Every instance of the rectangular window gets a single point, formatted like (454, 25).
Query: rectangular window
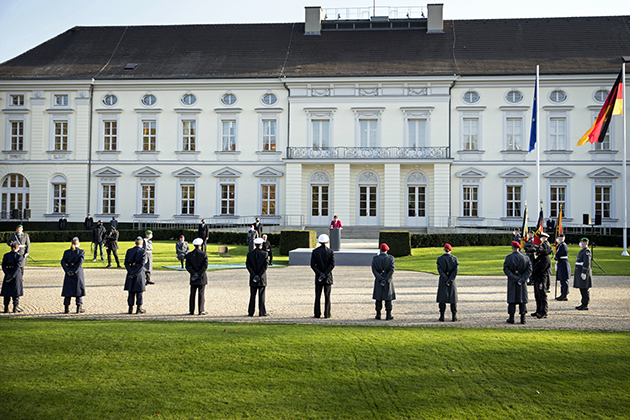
(188, 199)
(109, 198)
(557, 134)
(17, 100)
(149, 135)
(61, 100)
(321, 133)
(227, 199)
(17, 135)
(471, 133)
(470, 201)
(513, 205)
(61, 135)
(268, 200)
(514, 133)
(110, 135)
(148, 198)
(557, 199)
(416, 132)
(602, 201)
(368, 133)
(59, 198)
(605, 144)
(189, 134)
(269, 134)
(228, 135)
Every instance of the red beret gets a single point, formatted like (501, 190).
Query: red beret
(448, 246)
(516, 244)
(384, 247)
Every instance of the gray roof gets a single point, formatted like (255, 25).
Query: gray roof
(467, 47)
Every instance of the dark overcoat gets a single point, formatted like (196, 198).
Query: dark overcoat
(322, 263)
(256, 264)
(251, 235)
(111, 240)
(135, 258)
(12, 284)
(258, 227)
(89, 222)
(113, 223)
(563, 272)
(181, 249)
(541, 270)
(98, 234)
(25, 245)
(383, 268)
(196, 265)
(447, 266)
(74, 280)
(584, 257)
(203, 231)
(517, 268)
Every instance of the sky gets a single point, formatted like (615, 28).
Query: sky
(25, 24)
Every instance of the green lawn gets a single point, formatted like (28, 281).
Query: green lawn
(488, 260)
(63, 369)
(48, 254)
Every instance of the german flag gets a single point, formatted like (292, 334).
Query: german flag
(558, 228)
(612, 106)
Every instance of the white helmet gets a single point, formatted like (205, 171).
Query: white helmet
(323, 238)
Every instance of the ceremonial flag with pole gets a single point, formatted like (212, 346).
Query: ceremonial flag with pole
(558, 227)
(539, 227)
(524, 228)
(612, 106)
(533, 132)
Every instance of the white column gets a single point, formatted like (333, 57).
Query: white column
(441, 195)
(38, 146)
(294, 191)
(341, 194)
(82, 124)
(391, 190)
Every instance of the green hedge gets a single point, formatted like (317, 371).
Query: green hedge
(599, 240)
(399, 242)
(292, 239)
(459, 239)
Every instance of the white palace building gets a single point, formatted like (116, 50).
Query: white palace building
(392, 119)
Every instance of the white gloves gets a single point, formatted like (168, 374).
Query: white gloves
(583, 276)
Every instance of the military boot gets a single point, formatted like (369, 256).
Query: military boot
(140, 310)
(454, 316)
(522, 318)
(510, 320)
(389, 315)
(441, 318)
(80, 309)
(66, 309)
(16, 308)
(378, 315)
(131, 309)
(6, 309)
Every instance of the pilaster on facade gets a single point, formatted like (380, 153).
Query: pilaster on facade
(36, 147)
(82, 134)
(441, 195)
(294, 189)
(392, 195)
(341, 195)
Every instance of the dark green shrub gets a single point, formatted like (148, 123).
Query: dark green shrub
(399, 242)
(292, 239)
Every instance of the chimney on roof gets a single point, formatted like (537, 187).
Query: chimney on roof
(313, 24)
(434, 19)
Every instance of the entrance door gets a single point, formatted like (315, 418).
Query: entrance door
(319, 215)
(416, 205)
(368, 201)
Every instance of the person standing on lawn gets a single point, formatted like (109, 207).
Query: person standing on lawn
(530, 252)
(203, 232)
(258, 227)
(322, 263)
(12, 282)
(252, 234)
(563, 268)
(111, 245)
(447, 266)
(541, 270)
(181, 249)
(383, 269)
(582, 278)
(98, 237)
(24, 242)
(267, 247)
(147, 245)
(73, 280)
(256, 264)
(135, 283)
(196, 265)
(517, 268)
(89, 222)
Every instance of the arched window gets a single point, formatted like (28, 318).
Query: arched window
(417, 198)
(367, 198)
(15, 195)
(319, 185)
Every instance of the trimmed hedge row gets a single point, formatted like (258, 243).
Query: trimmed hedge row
(399, 242)
(292, 239)
(419, 240)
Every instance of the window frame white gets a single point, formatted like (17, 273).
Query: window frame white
(142, 117)
(187, 95)
(226, 94)
(507, 94)
(226, 176)
(146, 95)
(514, 177)
(221, 184)
(559, 177)
(604, 177)
(222, 116)
(187, 177)
(10, 96)
(55, 95)
(24, 191)
(16, 119)
(368, 115)
(102, 198)
(53, 120)
(560, 113)
(469, 91)
(107, 95)
(600, 89)
(464, 134)
(417, 114)
(266, 94)
(319, 114)
(611, 129)
(471, 177)
(557, 89)
(58, 181)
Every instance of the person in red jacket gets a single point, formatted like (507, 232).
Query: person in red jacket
(336, 223)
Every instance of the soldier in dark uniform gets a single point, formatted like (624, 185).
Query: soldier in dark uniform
(63, 223)
(73, 281)
(383, 269)
(517, 235)
(196, 265)
(181, 249)
(12, 283)
(267, 247)
(88, 223)
(24, 242)
(98, 237)
(517, 268)
(563, 268)
(203, 232)
(256, 264)
(541, 271)
(111, 244)
(529, 250)
(582, 278)
(447, 266)
(135, 259)
(322, 263)
(147, 245)
(258, 227)
(113, 223)
(251, 236)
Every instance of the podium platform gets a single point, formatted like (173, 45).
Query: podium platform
(346, 256)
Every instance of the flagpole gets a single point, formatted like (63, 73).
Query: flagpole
(537, 90)
(624, 158)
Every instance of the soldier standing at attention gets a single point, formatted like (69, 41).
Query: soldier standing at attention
(583, 273)
(196, 265)
(89, 222)
(135, 260)
(540, 275)
(383, 269)
(147, 245)
(256, 264)
(517, 268)
(322, 263)
(73, 281)
(182, 249)
(12, 283)
(447, 266)
(563, 268)
(24, 243)
(203, 232)
(111, 244)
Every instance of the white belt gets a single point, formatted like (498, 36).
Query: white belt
(577, 263)
(22, 246)
(565, 258)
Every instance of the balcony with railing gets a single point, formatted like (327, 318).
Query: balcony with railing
(438, 152)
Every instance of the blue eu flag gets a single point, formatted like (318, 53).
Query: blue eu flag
(532, 134)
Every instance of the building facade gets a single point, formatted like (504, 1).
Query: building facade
(422, 126)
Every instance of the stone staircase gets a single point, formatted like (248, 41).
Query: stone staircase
(364, 232)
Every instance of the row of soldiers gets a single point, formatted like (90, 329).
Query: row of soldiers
(138, 263)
